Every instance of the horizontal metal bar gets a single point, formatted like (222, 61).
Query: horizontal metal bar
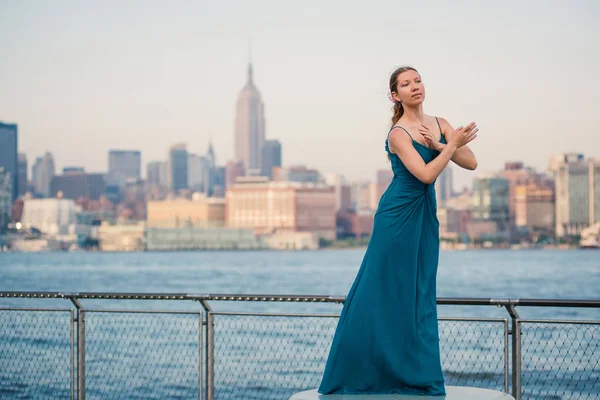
(34, 309)
(259, 314)
(97, 295)
(580, 303)
(475, 301)
(269, 297)
(142, 311)
(593, 303)
(503, 320)
(559, 321)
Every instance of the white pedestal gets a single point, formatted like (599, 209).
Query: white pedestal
(452, 393)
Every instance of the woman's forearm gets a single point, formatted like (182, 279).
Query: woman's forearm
(463, 157)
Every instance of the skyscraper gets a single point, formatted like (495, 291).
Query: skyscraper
(343, 198)
(210, 170)
(577, 193)
(5, 198)
(196, 166)
(233, 170)
(8, 155)
(157, 172)
(444, 186)
(22, 168)
(210, 155)
(178, 168)
(42, 174)
(490, 201)
(123, 166)
(163, 174)
(271, 157)
(249, 126)
(75, 185)
(153, 172)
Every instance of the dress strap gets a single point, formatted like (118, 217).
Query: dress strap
(398, 126)
(439, 126)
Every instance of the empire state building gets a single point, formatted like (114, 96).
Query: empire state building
(249, 126)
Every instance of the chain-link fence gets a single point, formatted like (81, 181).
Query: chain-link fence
(560, 360)
(36, 353)
(142, 355)
(51, 353)
(264, 356)
(269, 356)
(475, 352)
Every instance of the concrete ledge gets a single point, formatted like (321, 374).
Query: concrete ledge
(452, 393)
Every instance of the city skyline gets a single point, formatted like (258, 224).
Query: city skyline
(78, 87)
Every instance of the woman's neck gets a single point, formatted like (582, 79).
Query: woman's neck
(414, 114)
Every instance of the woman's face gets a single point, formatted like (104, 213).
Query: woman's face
(409, 88)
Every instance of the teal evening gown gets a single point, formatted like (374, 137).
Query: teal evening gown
(386, 340)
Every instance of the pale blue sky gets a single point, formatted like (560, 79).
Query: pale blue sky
(83, 77)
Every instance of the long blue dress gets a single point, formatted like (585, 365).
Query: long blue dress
(386, 340)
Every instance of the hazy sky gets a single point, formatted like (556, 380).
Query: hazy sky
(80, 78)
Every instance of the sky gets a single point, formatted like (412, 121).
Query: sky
(80, 78)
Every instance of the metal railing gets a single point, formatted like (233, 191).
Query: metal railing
(105, 353)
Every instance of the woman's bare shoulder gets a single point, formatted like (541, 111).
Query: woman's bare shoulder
(445, 125)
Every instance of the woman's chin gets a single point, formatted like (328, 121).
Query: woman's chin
(415, 101)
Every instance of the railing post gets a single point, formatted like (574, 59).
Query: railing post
(516, 351)
(80, 349)
(210, 347)
(210, 357)
(200, 323)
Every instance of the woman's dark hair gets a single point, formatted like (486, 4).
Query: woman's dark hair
(398, 108)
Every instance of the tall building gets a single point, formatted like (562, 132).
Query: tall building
(153, 172)
(196, 167)
(163, 176)
(444, 186)
(377, 188)
(42, 173)
(384, 177)
(22, 174)
(375, 194)
(5, 198)
(361, 195)
(210, 155)
(178, 168)
(271, 157)
(156, 179)
(76, 185)
(233, 170)
(517, 175)
(124, 166)
(343, 198)
(534, 207)
(594, 191)
(217, 188)
(490, 201)
(577, 190)
(157, 173)
(211, 174)
(249, 126)
(203, 171)
(8, 155)
(453, 222)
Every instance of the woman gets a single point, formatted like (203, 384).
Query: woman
(386, 339)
